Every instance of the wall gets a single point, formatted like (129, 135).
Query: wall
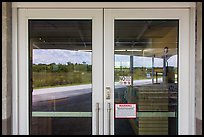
(198, 68)
(6, 68)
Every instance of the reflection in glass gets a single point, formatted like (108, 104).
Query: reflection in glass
(61, 126)
(146, 73)
(60, 75)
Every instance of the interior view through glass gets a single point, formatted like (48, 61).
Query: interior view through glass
(145, 74)
(146, 77)
(60, 77)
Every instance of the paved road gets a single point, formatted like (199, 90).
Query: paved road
(69, 98)
(78, 103)
(74, 99)
(68, 91)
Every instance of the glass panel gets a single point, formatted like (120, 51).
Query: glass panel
(146, 72)
(60, 76)
(61, 126)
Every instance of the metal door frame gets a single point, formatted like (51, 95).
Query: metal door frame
(185, 92)
(21, 109)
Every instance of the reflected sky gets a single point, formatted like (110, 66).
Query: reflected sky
(48, 56)
(138, 61)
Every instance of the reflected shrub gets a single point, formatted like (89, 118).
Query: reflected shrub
(42, 79)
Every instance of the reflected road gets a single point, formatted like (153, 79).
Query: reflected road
(69, 98)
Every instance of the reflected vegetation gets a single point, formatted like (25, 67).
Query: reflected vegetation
(51, 75)
(60, 57)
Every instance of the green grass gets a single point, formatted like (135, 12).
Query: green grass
(52, 79)
(60, 85)
(59, 79)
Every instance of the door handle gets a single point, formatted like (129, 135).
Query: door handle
(109, 118)
(97, 118)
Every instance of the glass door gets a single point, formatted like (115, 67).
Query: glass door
(144, 58)
(65, 88)
(103, 71)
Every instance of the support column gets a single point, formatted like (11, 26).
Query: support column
(6, 68)
(164, 70)
(153, 69)
(131, 69)
(164, 65)
(198, 69)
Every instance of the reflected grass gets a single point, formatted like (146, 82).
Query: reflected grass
(52, 79)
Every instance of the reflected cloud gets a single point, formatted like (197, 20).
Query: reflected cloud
(48, 56)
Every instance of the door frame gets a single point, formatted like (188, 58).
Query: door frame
(95, 15)
(184, 92)
(93, 5)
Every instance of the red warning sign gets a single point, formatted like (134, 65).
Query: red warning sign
(125, 80)
(125, 110)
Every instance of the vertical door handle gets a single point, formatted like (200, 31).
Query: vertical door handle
(109, 118)
(97, 118)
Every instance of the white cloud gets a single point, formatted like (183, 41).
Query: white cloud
(172, 61)
(60, 56)
(47, 56)
(138, 61)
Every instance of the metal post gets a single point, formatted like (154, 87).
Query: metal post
(131, 69)
(156, 77)
(164, 69)
(153, 69)
(164, 64)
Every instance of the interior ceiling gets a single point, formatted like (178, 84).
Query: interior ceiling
(132, 37)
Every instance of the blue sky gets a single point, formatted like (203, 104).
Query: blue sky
(63, 56)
